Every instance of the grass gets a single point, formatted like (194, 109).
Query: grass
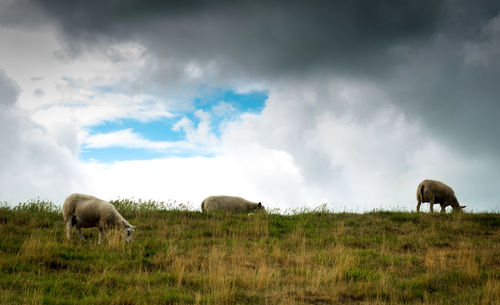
(311, 257)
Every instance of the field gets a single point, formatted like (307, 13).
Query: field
(309, 257)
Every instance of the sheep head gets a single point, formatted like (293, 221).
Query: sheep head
(129, 231)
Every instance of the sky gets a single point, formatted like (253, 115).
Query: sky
(296, 104)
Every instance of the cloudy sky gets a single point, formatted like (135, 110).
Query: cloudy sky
(291, 103)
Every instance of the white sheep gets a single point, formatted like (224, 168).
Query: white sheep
(230, 204)
(85, 211)
(434, 191)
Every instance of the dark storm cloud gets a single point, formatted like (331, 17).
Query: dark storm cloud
(21, 13)
(270, 38)
(452, 84)
(258, 37)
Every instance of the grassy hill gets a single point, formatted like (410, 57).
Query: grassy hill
(316, 257)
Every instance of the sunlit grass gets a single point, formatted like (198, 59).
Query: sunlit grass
(179, 256)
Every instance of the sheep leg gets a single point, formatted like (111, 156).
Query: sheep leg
(101, 230)
(432, 205)
(68, 230)
(80, 233)
(443, 208)
(418, 206)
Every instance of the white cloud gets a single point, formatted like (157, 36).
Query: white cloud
(368, 155)
(305, 149)
(122, 138)
(258, 175)
(77, 93)
(223, 109)
(92, 110)
(33, 163)
(129, 139)
(202, 133)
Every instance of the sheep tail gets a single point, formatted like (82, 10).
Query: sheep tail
(420, 192)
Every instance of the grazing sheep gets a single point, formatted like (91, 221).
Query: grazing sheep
(433, 191)
(230, 204)
(85, 211)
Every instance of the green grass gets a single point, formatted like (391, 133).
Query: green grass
(310, 257)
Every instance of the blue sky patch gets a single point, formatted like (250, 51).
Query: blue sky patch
(115, 154)
(111, 154)
(222, 105)
(157, 130)
(253, 101)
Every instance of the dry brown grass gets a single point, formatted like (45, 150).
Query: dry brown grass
(313, 258)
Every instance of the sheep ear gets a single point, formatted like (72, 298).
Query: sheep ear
(462, 206)
(260, 204)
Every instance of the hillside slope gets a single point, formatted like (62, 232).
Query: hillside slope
(317, 257)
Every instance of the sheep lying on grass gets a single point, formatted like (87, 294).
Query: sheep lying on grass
(85, 211)
(230, 204)
(434, 191)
